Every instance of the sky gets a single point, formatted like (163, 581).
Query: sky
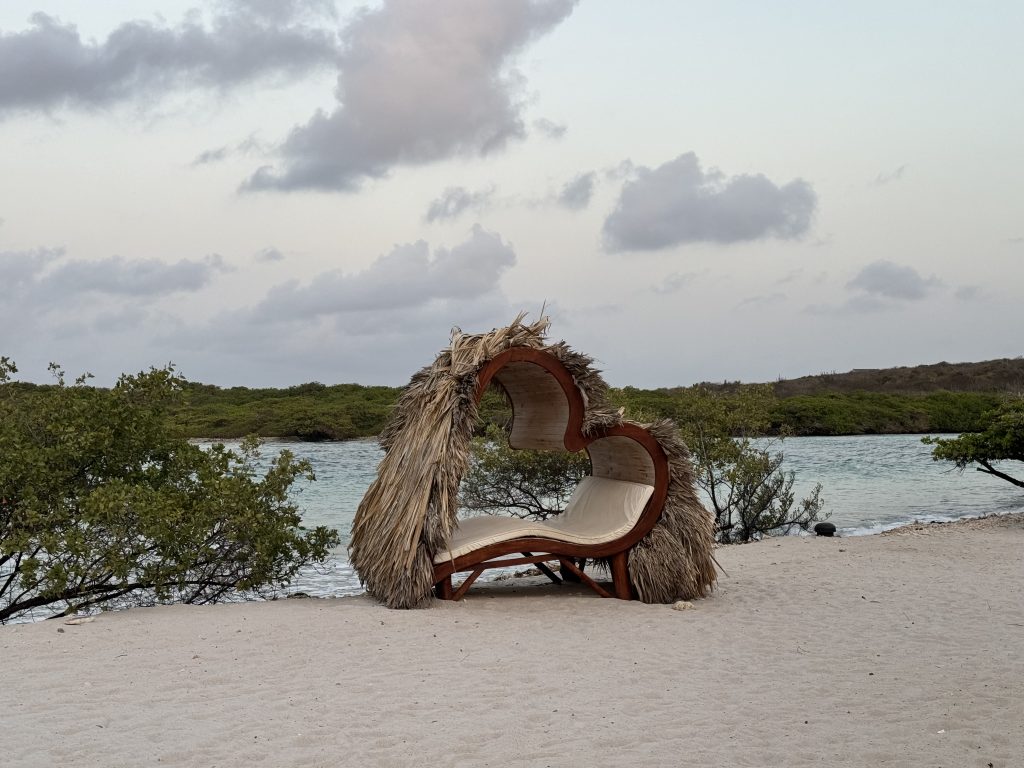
(271, 192)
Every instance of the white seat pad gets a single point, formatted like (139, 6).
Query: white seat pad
(600, 510)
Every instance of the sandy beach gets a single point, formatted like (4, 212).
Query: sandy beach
(905, 649)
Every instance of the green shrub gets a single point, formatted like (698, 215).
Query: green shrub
(102, 503)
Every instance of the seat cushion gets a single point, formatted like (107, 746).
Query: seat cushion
(600, 510)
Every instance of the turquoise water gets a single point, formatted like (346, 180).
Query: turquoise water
(870, 483)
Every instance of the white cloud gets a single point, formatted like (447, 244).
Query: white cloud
(678, 202)
(892, 281)
(112, 315)
(131, 277)
(762, 300)
(419, 82)
(887, 178)
(269, 254)
(408, 276)
(549, 128)
(49, 66)
(20, 268)
(675, 282)
(576, 194)
(455, 201)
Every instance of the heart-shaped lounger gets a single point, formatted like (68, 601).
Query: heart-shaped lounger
(638, 513)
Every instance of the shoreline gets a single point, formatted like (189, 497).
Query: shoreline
(990, 520)
(875, 531)
(901, 649)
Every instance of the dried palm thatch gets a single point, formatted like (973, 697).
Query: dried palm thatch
(410, 509)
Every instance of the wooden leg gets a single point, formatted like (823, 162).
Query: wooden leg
(464, 587)
(620, 576)
(443, 588)
(568, 575)
(568, 564)
(545, 570)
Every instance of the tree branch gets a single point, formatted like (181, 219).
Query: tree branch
(988, 469)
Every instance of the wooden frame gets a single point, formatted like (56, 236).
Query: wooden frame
(631, 454)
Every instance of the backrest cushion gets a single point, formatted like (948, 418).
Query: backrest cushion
(601, 507)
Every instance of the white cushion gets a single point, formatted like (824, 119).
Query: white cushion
(600, 510)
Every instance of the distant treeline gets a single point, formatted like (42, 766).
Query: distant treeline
(308, 411)
(946, 397)
(1005, 375)
(838, 413)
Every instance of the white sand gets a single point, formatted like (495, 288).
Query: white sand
(895, 650)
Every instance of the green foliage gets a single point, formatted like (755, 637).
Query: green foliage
(988, 376)
(821, 413)
(1002, 439)
(527, 484)
(494, 411)
(100, 502)
(310, 411)
(875, 413)
(750, 494)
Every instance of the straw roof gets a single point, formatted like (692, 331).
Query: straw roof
(410, 509)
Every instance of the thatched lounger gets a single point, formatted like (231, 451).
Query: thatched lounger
(638, 513)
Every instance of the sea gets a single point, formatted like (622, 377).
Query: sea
(870, 483)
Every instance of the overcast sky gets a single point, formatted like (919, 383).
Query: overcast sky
(269, 192)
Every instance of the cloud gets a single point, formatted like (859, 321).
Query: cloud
(133, 277)
(211, 156)
(891, 281)
(249, 146)
(92, 315)
(21, 268)
(44, 273)
(456, 200)
(679, 203)
(675, 282)
(418, 82)
(375, 323)
(371, 326)
(268, 255)
(763, 300)
(886, 178)
(884, 285)
(364, 346)
(549, 128)
(623, 170)
(576, 194)
(408, 276)
(49, 66)
(285, 11)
